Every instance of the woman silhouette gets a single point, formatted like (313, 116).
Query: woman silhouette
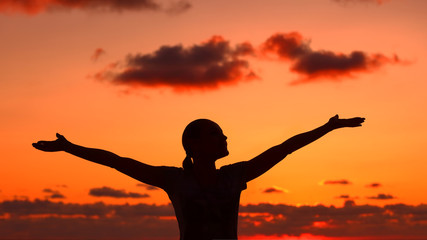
(205, 199)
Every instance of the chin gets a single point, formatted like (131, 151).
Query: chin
(224, 154)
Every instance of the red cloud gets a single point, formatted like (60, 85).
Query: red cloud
(314, 65)
(204, 66)
(32, 7)
(97, 54)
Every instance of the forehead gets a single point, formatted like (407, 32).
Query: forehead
(210, 126)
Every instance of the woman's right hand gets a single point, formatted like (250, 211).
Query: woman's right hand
(52, 146)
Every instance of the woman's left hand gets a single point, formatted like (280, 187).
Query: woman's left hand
(335, 122)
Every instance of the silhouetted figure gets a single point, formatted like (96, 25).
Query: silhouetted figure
(205, 199)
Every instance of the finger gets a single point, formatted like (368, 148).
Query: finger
(38, 145)
(59, 136)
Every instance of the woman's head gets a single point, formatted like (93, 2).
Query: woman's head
(204, 139)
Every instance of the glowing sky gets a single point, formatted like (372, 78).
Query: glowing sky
(129, 77)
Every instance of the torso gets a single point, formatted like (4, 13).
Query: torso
(209, 210)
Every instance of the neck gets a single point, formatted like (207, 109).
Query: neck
(204, 165)
(205, 171)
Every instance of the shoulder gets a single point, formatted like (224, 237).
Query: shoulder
(235, 173)
(171, 172)
(240, 166)
(171, 175)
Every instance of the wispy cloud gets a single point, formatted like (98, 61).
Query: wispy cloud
(33, 7)
(202, 66)
(275, 189)
(344, 196)
(53, 194)
(332, 182)
(147, 187)
(374, 185)
(115, 193)
(378, 2)
(97, 54)
(382, 196)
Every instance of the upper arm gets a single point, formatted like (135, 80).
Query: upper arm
(263, 162)
(152, 175)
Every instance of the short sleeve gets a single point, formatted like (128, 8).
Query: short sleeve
(170, 176)
(235, 173)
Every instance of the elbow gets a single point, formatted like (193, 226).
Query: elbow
(285, 149)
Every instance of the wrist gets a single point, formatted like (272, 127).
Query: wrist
(329, 126)
(67, 146)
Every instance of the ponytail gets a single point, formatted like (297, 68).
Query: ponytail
(187, 164)
(189, 136)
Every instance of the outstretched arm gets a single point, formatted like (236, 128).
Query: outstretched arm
(266, 160)
(140, 171)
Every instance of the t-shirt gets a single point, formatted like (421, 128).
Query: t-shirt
(206, 213)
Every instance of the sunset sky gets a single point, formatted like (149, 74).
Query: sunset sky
(128, 76)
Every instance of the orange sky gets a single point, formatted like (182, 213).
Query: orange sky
(47, 74)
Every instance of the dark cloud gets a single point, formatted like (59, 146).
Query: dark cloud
(97, 54)
(204, 66)
(347, 198)
(349, 203)
(115, 193)
(274, 190)
(379, 2)
(44, 219)
(47, 190)
(57, 196)
(374, 185)
(382, 196)
(53, 194)
(40, 219)
(344, 196)
(216, 63)
(178, 7)
(316, 65)
(341, 182)
(147, 187)
(32, 7)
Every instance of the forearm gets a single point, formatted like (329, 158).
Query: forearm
(263, 162)
(296, 142)
(92, 154)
